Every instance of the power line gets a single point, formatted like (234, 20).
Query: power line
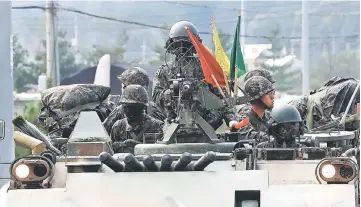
(167, 28)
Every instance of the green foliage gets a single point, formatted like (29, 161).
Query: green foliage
(31, 112)
(116, 52)
(344, 63)
(287, 76)
(21, 151)
(159, 48)
(26, 72)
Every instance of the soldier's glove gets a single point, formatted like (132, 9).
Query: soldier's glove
(131, 143)
(232, 125)
(263, 137)
(167, 97)
(118, 147)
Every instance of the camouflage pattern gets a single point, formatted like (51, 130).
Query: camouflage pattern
(178, 29)
(274, 144)
(134, 94)
(258, 128)
(122, 131)
(64, 98)
(301, 106)
(135, 75)
(317, 108)
(63, 104)
(334, 97)
(161, 86)
(258, 86)
(259, 72)
(191, 68)
(118, 114)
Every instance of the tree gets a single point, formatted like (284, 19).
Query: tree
(225, 41)
(344, 64)
(116, 53)
(159, 48)
(285, 69)
(24, 72)
(67, 62)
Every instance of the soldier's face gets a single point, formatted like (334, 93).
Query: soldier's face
(133, 111)
(268, 99)
(289, 130)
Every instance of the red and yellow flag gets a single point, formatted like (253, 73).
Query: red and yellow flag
(209, 65)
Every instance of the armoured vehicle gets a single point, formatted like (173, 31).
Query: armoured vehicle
(222, 173)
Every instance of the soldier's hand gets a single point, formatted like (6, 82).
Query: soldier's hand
(131, 143)
(118, 147)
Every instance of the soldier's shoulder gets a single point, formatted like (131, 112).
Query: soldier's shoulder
(120, 123)
(162, 69)
(153, 121)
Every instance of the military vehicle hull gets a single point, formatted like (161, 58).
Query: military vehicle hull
(80, 179)
(222, 183)
(222, 188)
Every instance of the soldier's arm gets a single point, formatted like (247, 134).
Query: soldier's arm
(117, 133)
(158, 128)
(115, 115)
(229, 114)
(160, 85)
(249, 132)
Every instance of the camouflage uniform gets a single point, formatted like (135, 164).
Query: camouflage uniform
(258, 127)
(316, 109)
(286, 127)
(244, 108)
(189, 67)
(134, 75)
(128, 132)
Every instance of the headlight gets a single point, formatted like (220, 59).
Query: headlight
(22, 171)
(328, 171)
(336, 170)
(32, 171)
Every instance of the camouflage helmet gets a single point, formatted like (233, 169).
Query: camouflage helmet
(135, 75)
(178, 29)
(285, 114)
(257, 86)
(134, 94)
(260, 72)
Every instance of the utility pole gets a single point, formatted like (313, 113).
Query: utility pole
(305, 49)
(243, 28)
(50, 42)
(7, 147)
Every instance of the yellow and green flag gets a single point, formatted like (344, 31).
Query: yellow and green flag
(236, 55)
(219, 53)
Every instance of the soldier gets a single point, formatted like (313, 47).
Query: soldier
(242, 109)
(134, 75)
(286, 126)
(129, 131)
(261, 94)
(188, 66)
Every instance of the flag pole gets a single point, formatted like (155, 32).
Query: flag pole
(224, 74)
(220, 89)
(235, 90)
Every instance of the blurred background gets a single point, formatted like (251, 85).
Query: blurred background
(134, 34)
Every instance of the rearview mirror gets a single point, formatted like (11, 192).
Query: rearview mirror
(2, 129)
